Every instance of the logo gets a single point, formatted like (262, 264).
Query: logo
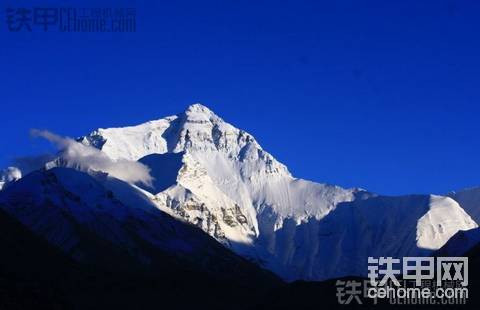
(71, 19)
(410, 280)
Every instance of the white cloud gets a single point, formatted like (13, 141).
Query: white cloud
(79, 156)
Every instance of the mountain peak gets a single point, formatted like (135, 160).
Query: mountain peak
(198, 113)
(198, 108)
(197, 127)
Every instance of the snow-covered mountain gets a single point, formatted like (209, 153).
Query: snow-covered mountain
(219, 178)
(138, 185)
(402, 226)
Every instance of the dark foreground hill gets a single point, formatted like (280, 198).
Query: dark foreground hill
(36, 275)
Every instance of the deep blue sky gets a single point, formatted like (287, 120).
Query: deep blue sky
(374, 94)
